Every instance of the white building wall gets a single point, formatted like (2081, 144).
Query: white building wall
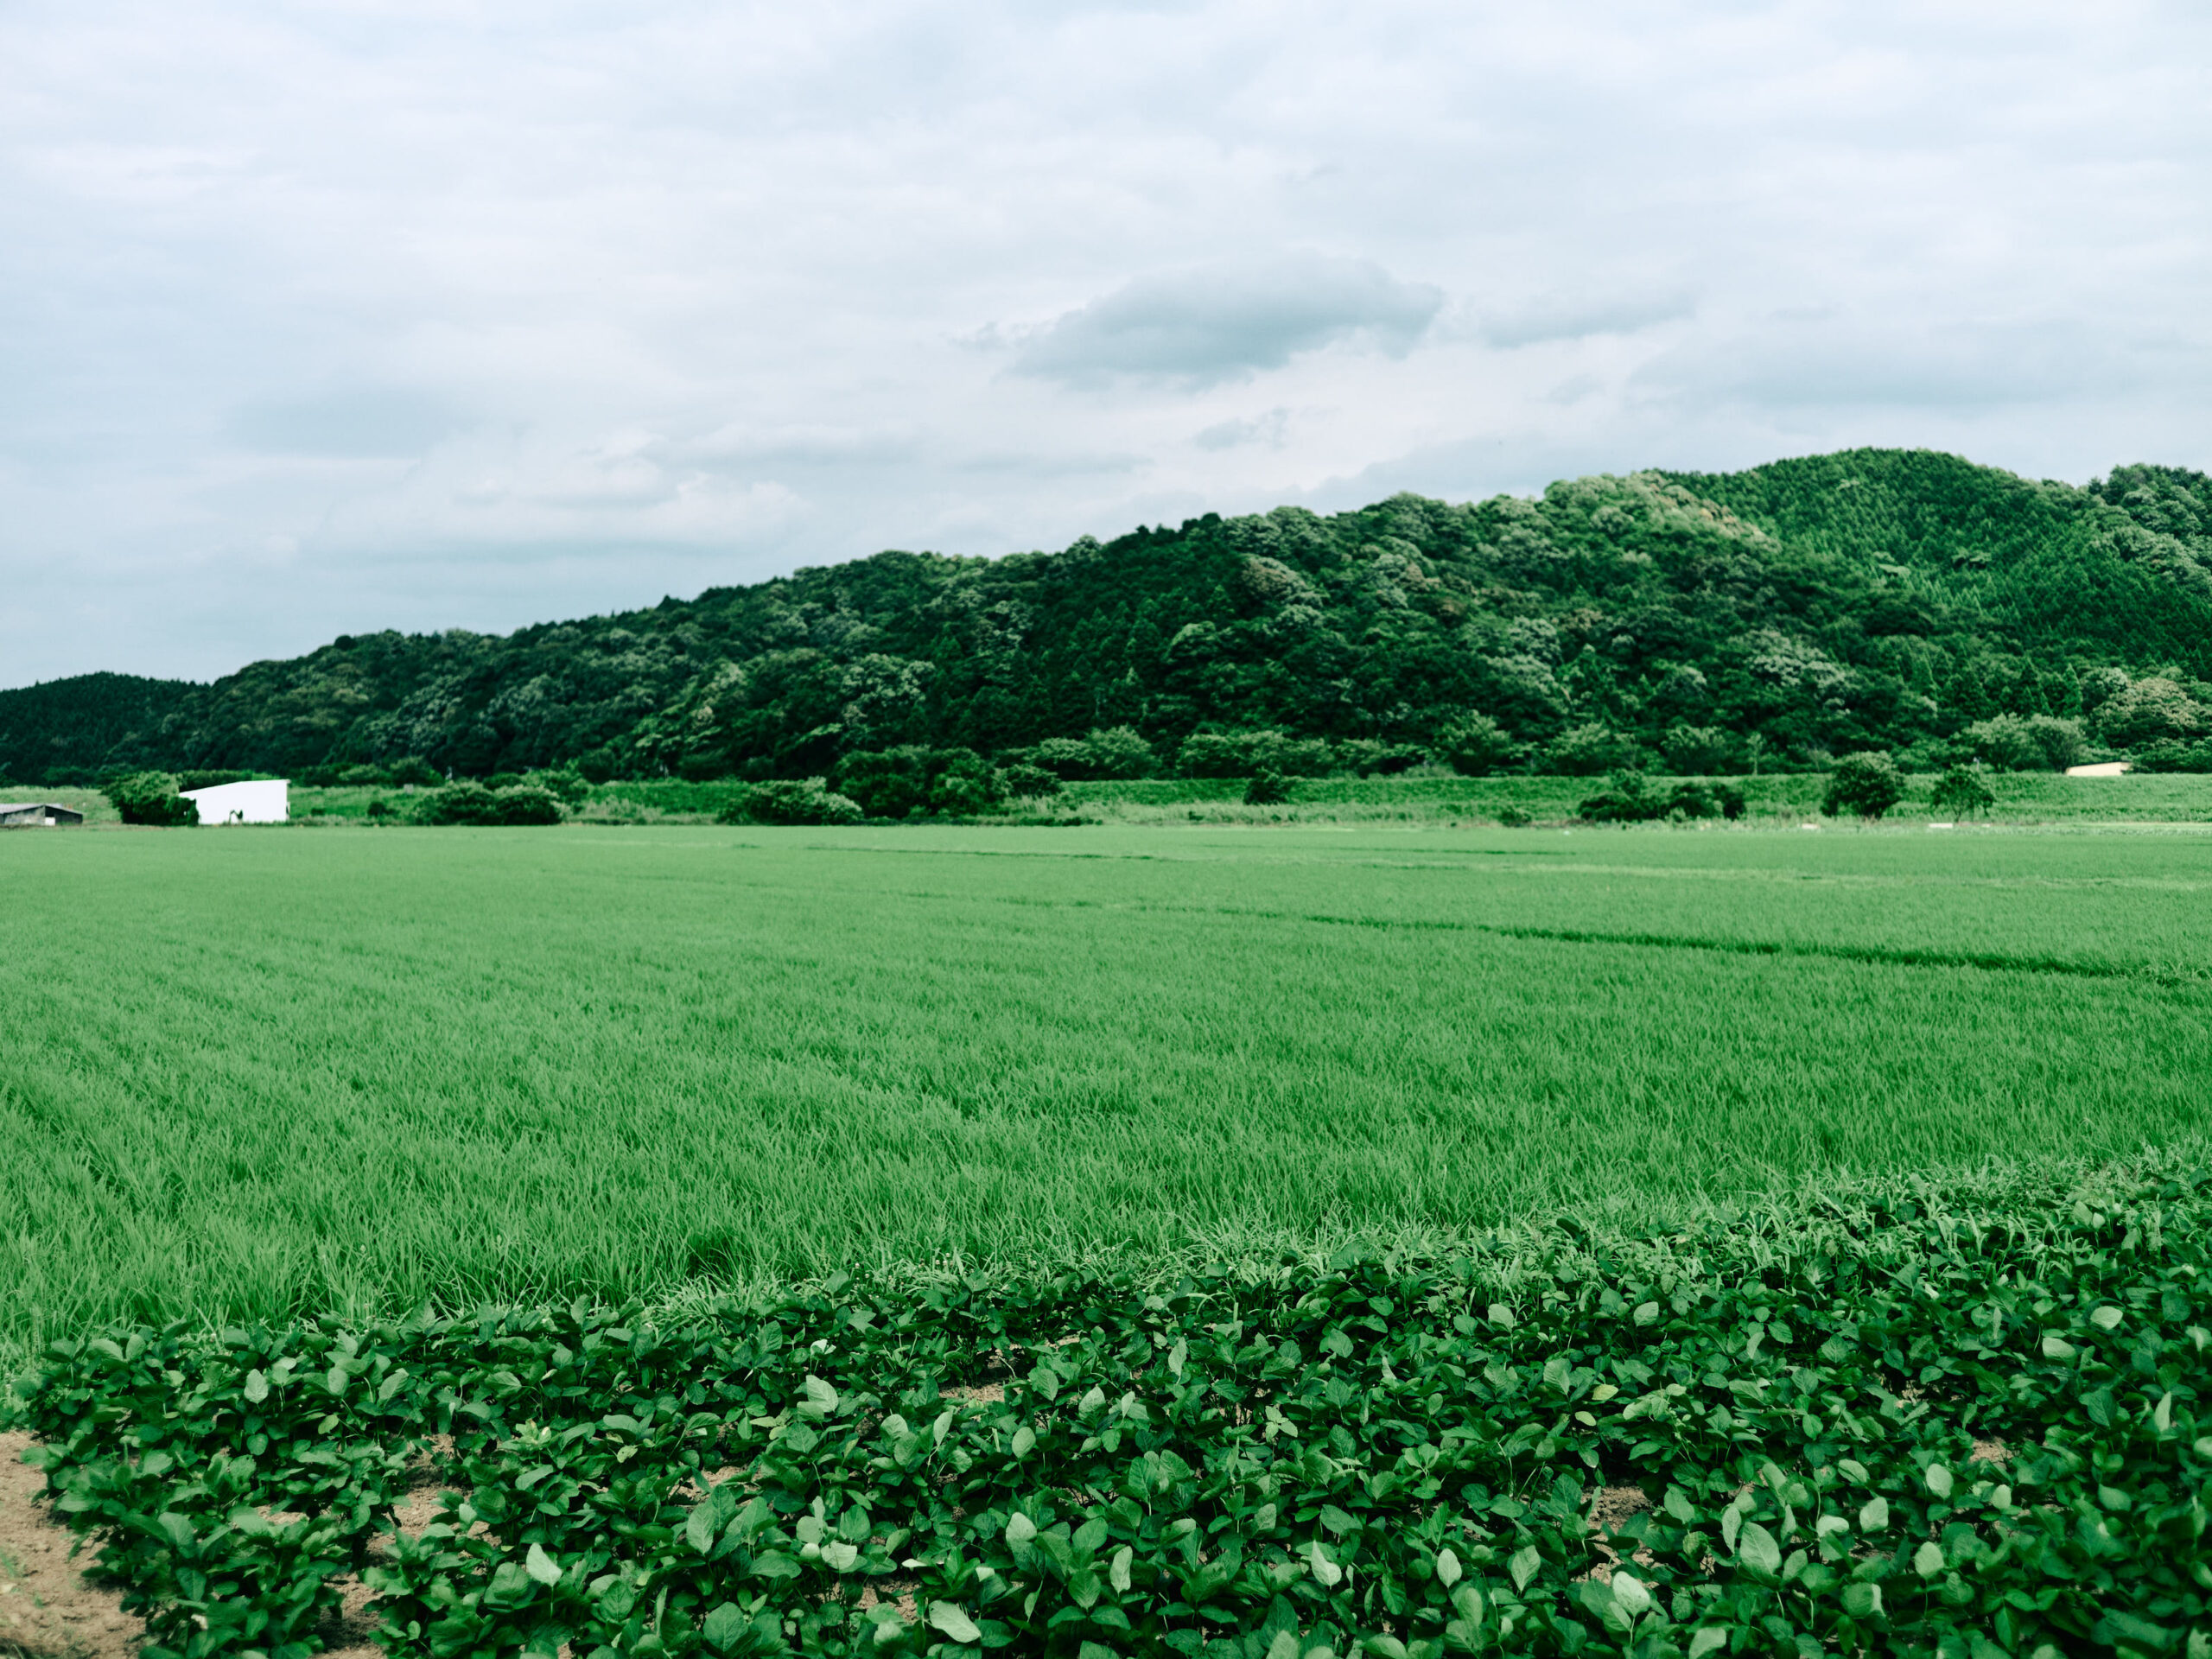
(263, 800)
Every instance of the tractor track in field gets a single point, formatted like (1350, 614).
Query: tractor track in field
(1882, 956)
(1878, 956)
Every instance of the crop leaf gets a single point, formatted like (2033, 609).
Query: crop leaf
(1757, 1550)
(953, 1620)
(1523, 1566)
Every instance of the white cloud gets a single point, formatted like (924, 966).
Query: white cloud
(1271, 429)
(1560, 318)
(326, 317)
(1228, 322)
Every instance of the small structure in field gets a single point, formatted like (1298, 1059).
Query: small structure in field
(36, 814)
(2101, 769)
(259, 800)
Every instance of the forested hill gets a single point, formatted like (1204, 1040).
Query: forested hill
(1871, 598)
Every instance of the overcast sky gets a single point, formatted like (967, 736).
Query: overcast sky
(333, 317)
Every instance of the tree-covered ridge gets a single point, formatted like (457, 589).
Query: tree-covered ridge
(1873, 599)
(64, 727)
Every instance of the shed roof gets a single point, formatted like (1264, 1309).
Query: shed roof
(44, 809)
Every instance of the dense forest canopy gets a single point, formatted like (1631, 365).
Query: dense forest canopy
(1903, 601)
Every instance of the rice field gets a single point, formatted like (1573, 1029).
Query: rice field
(246, 1073)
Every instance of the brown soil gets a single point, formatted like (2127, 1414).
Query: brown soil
(990, 1394)
(46, 1607)
(349, 1636)
(47, 1611)
(1612, 1507)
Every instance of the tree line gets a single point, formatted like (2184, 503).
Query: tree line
(1696, 625)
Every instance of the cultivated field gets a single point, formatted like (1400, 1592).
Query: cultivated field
(247, 1072)
(1245, 1242)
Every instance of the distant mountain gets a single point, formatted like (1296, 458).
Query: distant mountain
(1870, 598)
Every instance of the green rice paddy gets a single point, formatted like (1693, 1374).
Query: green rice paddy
(245, 1073)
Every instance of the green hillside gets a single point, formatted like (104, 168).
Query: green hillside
(58, 731)
(1906, 601)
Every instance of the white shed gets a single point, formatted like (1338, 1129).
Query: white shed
(260, 800)
(2099, 769)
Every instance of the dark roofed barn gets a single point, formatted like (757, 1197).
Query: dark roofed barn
(28, 815)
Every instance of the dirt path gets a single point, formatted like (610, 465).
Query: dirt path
(46, 1608)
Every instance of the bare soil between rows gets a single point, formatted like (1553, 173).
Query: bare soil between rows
(48, 1609)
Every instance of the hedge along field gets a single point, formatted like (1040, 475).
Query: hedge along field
(2021, 798)
(245, 1074)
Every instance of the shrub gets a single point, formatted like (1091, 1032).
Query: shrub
(1512, 817)
(1962, 791)
(1252, 750)
(2061, 741)
(2009, 743)
(1065, 757)
(1626, 800)
(2173, 755)
(964, 783)
(1369, 757)
(1120, 752)
(414, 770)
(473, 804)
(886, 783)
(1117, 751)
(1868, 783)
(568, 784)
(1475, 745)
(1629, 799)
(598, 766)
(914, 778)
(1214, 754)
(1267, 789)
(379, 808)
(527, 804)
(363, 778)
(2004, 744)
(789, 801)
(1030, 782)
(151, 798)
(461, 802)
(1728, 802)
(2149, 710)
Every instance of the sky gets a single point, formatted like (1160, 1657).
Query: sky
(324, 318)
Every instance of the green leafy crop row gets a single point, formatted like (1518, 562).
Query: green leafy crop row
(1956, 1435)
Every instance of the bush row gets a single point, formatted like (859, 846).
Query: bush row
(1898, 1428)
